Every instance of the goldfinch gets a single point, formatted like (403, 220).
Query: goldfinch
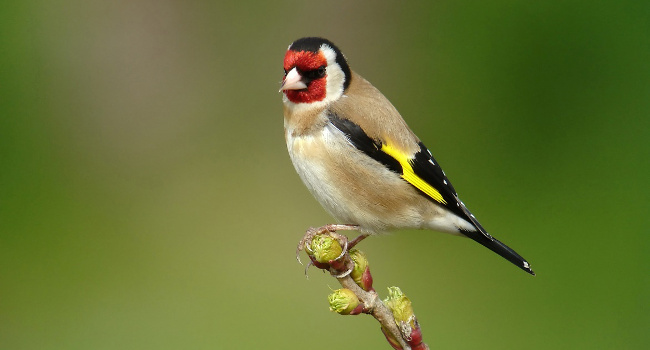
(357, 156)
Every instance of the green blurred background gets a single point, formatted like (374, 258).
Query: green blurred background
(147, 200)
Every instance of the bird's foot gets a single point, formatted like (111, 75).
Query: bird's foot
(305, 242)
(337, 263)
(357, 240)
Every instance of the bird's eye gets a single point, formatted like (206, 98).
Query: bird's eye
(285, 71)
(315, 73)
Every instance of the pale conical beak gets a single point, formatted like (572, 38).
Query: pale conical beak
(292, 81)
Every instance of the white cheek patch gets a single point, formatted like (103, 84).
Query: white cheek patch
(335, 76)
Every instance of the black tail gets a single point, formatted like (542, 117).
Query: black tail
(496, 246)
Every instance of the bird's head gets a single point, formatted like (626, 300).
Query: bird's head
(315, 70)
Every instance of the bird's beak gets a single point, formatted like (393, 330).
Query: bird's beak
(292, 81)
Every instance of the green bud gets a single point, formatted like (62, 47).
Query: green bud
(361, 272)
(400, 306)
(343, 301)
(325, 248)
(360, 264)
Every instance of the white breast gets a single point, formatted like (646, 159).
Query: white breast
(311, 155)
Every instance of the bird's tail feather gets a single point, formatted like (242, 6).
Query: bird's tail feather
(496, 246)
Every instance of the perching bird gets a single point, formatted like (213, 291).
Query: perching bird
(357, 156)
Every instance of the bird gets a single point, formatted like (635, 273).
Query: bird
(357, 156)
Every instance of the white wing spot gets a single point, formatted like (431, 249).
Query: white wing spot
(526, 265)
(444, 181)
(431, 161)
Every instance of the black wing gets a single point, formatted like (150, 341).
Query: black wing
(427, 168)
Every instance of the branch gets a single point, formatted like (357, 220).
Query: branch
(350, 268)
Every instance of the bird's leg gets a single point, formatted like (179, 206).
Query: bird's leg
(357, 240)
(331, 228)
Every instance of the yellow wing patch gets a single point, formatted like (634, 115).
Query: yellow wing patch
(409, 175)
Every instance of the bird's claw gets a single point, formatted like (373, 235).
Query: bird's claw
(340, 263)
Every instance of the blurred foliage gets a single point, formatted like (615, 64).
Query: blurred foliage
(147, 200)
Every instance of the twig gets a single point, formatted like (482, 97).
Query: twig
(374, 306)
(395, 313)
